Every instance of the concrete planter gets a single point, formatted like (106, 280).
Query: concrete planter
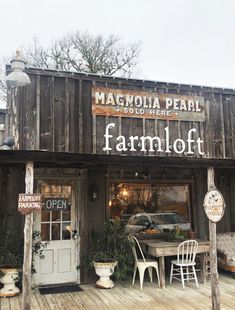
(104, 270)
(8, 280)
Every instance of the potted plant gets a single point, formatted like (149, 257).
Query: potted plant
(11, 260)
(177, 234)
(109, 249)
(104, 263)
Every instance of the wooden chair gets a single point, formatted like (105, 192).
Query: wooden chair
(142, 263)
(183, 269)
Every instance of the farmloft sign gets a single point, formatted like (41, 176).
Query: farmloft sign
(153, 144)
(130, 103)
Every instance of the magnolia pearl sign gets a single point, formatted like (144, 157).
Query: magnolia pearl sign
(153, 144)
(130, 103)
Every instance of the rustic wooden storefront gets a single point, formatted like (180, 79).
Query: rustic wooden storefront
(93, 132)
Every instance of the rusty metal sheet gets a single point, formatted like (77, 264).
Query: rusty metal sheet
(142, 104)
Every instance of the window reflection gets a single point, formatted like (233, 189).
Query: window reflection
(127, 199)
(66, 231)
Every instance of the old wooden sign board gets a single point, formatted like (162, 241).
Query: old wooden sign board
(214, 205)
(144, 104)
(28, 203)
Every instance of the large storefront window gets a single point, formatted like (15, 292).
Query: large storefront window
(130, 199)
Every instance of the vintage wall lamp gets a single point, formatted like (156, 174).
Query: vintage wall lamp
(7, 144)
(94, 193)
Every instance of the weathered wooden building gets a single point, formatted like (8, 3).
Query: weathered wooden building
(114, 147)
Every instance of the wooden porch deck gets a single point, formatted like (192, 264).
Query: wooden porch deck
(131, 297)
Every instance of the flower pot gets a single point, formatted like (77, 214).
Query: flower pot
(8, 280)
(104, 270)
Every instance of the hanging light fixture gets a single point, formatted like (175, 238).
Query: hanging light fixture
(17, 77)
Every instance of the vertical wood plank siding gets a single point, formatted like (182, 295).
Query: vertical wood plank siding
(46, 116)
(66, 123)
(11, 183)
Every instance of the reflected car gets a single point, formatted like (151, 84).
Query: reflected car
(164, 221)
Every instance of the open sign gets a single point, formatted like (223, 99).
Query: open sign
(58, 204)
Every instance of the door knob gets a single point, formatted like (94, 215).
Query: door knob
(74, 234)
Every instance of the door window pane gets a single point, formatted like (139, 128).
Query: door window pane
(66, 229)
(66, 215)
(56, 216)
(45, 232)
(55, 231)
(45, 216)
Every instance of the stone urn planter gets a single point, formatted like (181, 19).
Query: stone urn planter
(8, 278)
(104, 270)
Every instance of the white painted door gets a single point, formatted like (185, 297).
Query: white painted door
(58, 227)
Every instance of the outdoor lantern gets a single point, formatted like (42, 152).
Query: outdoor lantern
(94, 193)
(17, 77)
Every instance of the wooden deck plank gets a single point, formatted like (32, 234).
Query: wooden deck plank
(84, 298)
(76, 301)
(14, 303)
(34, 303)
(43, 304)
(96, 299)
(101, 297)
(129, 297)
(147, 303)
(116, 300)
(5, 303)
(136, 295)
(71, 303)
(54, 302)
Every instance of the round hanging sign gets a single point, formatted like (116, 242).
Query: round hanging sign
(214, 205)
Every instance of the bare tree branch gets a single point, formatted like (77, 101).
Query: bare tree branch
(82, 52)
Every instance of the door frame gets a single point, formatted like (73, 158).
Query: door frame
(60, 178)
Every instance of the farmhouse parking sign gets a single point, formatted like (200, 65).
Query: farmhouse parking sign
(28, 203)
(214, 205)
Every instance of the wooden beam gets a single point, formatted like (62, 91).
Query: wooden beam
(38, 98)
(215, 292)
(28, 229)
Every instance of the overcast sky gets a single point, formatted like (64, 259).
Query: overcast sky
(184, 41)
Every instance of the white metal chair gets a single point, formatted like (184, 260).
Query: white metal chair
(184, 267)
(142, 263)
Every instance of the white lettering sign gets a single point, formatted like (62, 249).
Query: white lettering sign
(155, 144)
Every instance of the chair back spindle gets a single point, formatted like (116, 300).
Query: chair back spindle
(134, 242)
(187, 252)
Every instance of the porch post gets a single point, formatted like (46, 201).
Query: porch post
(215, 292)
(28, 230)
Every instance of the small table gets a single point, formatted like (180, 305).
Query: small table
(159, 248)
